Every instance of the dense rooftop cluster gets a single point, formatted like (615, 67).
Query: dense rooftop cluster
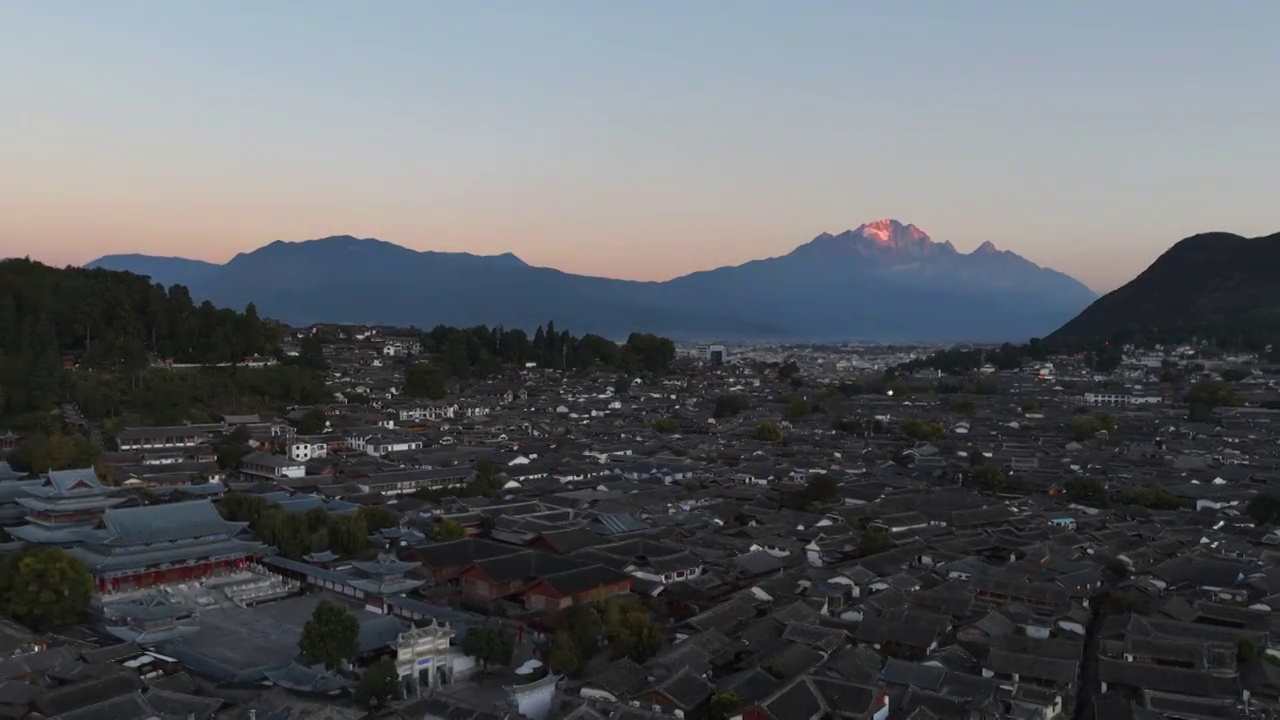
(756, 532)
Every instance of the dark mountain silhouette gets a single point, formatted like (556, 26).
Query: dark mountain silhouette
(169, 270)
(1213, 286)
(883, 281)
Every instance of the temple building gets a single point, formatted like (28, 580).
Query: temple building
(381, 578)
(150, 545)
(128, 548)
(62, 506)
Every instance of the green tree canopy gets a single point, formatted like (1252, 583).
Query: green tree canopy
(799, 409)
(490, 645)
(107, 320)
(379, 685)
(378, 517)
(42, 452)
(768, 432)
(565, 657)
(330, 636)
(874, 541)
(722, 703)
(424, 380)
(922, 430)
(1084, 427)
(729, 405)
(666, 426)
(822, 488)
(1212, 393)
(631, 631)
(1154, 497)
(446, 530)
(1265, 509)
(44, 587)
(313, 422)
(1235, 374)
(1087, 491)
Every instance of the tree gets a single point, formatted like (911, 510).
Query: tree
(1247, 650)
(110, 323)
(378, 517)
(242, 507)
(348, 535)
(1087, 426)
(330, 635)
(1154, 497)
(631, 631)
(723, 703)
(447, 530)
(486, 482)
(1264, 509)
(729, 405)
(922, 430)
(1212, 394)
(313, 422)
(43, 452)
(822, 488)
(666, 426)
(423, 380)
(1235, 374)
(565, 657)
(768, 432)
(649, 353)
(873, 541)
(311, 354)
(490, 645)
(799, 409)
(44, 587)
(379, 685)
(1088, 492)
(988, 478)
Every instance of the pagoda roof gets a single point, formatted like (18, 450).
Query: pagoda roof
(322, 557)
(93, 556)
(7, 472)
(147, 524)
(46, 535)
(385, 565)
(301, 678)
(399, 533)
(11, 490)
(203, 489)
(80, 482)
(69, 504)
(385, 586)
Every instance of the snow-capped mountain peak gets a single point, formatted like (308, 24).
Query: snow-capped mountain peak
(889, 232)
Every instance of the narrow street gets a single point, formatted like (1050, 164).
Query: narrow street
(1090, 687)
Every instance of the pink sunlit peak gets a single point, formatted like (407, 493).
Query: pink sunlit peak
(891, 232)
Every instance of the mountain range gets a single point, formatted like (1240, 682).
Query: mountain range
(882, 281)
(1212, 286)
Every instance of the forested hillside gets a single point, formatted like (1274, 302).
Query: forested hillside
(1214, 287)
(482, 350)
(109, 321)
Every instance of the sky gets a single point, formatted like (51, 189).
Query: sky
(636, 140)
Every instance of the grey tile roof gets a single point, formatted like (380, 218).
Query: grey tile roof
(148, 524)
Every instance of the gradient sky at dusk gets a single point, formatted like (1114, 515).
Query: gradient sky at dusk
(637, 140)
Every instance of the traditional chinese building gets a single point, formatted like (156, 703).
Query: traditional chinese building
(424, 660)
(62, 506)
(150, 545)
(382, 578)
